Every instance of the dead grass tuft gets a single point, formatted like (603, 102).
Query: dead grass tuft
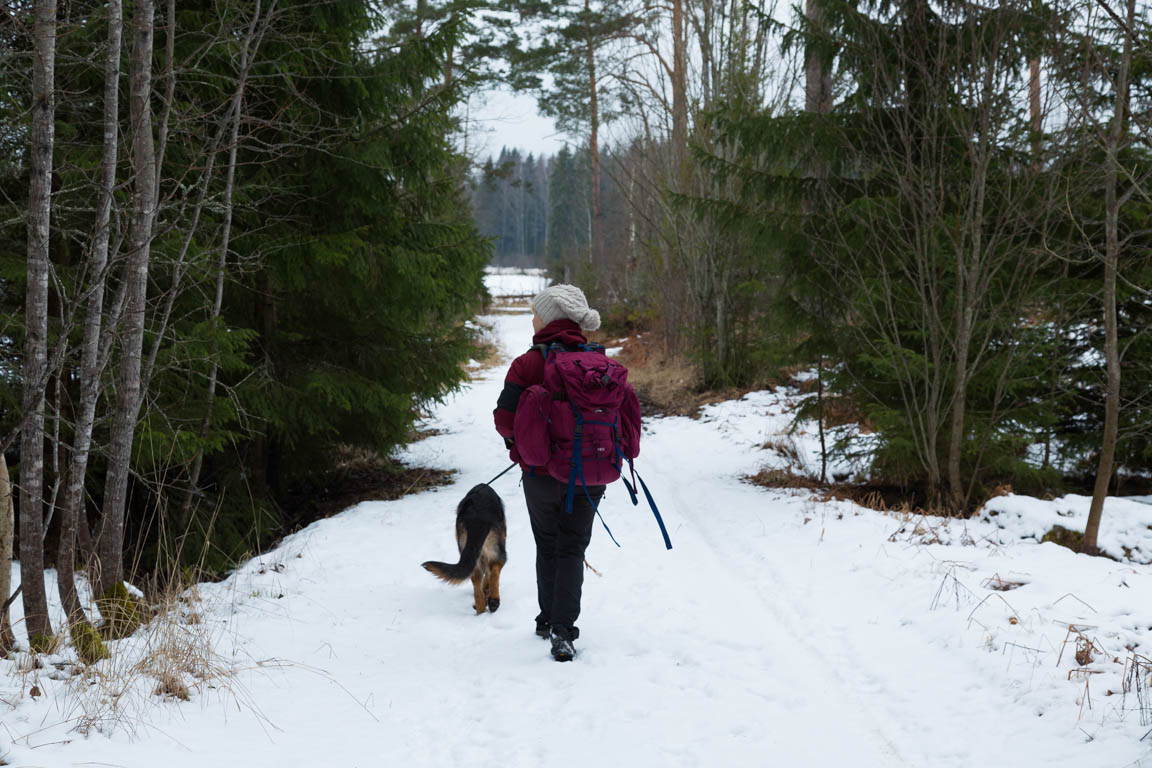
(172, 655)
(171, 686)
(665, 384)
(998, 584)
(485, 351)
(782, 478)
(839, 411)
(785, 448)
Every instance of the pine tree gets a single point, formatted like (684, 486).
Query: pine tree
(926, 289)
(568, 215)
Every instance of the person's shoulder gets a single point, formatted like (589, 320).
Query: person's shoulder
(527, 368)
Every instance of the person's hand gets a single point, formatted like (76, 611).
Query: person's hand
(509, 442)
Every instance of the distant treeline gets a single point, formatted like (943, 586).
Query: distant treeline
(535, 208)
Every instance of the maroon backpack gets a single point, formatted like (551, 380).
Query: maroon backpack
(582, 423)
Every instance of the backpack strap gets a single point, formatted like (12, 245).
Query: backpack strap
(647, 495)
(578, 470)
(550, 349)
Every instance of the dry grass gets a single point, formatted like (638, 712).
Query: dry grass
(785, 448)
(782, 478)
(173, 656)
(998, 584)
(485, 351)
(839, 411)
(665, 384)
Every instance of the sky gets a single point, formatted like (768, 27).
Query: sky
(500, 118)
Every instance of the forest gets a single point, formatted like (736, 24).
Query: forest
(234, 253)
(242, 241)
(942, 209)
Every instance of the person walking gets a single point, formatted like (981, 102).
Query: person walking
(560, 315)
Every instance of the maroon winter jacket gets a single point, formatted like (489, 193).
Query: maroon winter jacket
(528, 369)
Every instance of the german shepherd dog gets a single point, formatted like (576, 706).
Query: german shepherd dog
(480, 534)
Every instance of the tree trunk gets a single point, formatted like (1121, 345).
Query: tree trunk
(596, 254)
(959, 403)
(36, 335)
(72, 515)
(169, 84)
(1111, 267)
(110, 544)
(1036, 119)
(679, 94)
(817, 80)
(7, 639)
(265, 475)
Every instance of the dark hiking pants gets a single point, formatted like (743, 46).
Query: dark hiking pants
(561, 539)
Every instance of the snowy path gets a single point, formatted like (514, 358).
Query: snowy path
(772, 634)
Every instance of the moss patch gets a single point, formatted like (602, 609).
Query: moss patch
(44, 643)
(122, 613)
(1073, 540)
(86, 640)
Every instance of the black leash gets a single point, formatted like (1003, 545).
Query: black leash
(513, 464)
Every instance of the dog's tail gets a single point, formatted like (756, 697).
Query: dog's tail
(476, 531)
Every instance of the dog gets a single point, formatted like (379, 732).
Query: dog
(481, 534)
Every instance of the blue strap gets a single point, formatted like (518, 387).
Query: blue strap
(580, 469)
(631, 490)
(656, 512)
(647, 495)
(569, 497)
(571, 493)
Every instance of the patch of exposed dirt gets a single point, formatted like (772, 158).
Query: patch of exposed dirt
(783, 478)
(358, 475)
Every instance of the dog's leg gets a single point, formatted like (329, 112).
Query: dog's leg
(494, 586)
(479, 602)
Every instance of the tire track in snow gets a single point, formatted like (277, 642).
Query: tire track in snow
(770, 595)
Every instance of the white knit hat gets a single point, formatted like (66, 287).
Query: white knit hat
(557, 302)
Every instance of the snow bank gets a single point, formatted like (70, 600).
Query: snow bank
(1125, 525)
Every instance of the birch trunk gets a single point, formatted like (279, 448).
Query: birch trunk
(1036, 121)
(7, 639)
(128, 393)
(1111, 267)
(72, 515)
(36, 335)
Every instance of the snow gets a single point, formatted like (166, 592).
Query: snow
(507, 282)
(1125, 525)
(780, 630)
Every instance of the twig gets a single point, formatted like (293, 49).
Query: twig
(1076, 599)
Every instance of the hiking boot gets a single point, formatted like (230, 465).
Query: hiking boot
(542, 630)
(562, 649)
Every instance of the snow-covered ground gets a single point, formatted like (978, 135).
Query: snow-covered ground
(779, 631)
(505, 282)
